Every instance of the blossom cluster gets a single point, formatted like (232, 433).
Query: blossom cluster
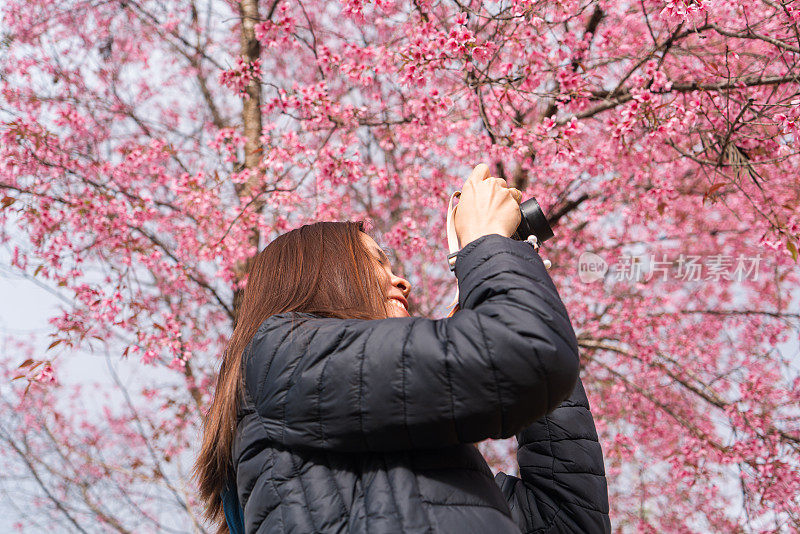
(241, 75)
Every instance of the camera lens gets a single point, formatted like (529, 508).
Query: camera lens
(533, 222)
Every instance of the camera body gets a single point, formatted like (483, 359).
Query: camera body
(533, 222)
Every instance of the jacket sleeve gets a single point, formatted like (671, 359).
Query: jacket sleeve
(563, 485)
(507, 358)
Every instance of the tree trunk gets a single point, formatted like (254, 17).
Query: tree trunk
(251, 124)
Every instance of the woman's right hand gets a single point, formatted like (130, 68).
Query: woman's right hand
(486, 206)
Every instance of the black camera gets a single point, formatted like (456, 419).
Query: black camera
(533, 222)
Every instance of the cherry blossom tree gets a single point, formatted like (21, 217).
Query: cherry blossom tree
(150, 147)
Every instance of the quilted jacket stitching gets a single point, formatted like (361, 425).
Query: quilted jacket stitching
(339, 493)
(263, 379)
(547, 526)
(248, 400)
(446, 347)
(363, 356)
(367, 513)
(496, 382)
(550, 323)
(552, 520)
(546, 296)
(466, 504)
(557, 440)
(460, 468)
(290, 383)
(428, 512)
(249, 487)
(297, 475)
(579, 505)
(278, 493)
(552, 461)
(562, 503)
(511, 253)
(319, 391)
(450, 503)
(392, 492)
(403, 369)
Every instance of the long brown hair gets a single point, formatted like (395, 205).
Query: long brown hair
(322, 268)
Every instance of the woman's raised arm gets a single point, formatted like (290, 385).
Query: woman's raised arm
(506, 359)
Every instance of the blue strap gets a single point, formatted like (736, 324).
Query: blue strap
(234, 515)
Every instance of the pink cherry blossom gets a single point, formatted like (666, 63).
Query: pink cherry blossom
(148, 150)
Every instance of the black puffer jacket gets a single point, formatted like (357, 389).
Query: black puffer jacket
(367, 426)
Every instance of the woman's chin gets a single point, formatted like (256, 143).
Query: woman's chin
(397, 311)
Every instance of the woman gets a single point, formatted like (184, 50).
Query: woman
(335, 411)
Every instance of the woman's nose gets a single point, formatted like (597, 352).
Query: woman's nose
(403, 284)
